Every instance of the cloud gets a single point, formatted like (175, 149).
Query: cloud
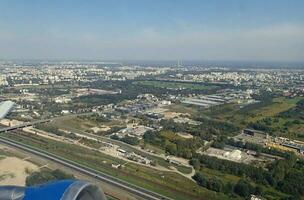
(278, 42)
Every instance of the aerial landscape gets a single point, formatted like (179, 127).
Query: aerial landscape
(173, 108)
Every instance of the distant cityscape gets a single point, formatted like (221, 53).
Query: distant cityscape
(185, 121)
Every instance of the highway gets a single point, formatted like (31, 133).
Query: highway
(10, 128)
(139, 191)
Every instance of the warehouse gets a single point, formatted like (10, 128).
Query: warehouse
(299, 148)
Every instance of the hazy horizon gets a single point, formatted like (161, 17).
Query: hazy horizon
(259, 31)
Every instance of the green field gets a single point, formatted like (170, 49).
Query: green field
(183, 108)
(283, 126)
(234, 114)
(81, 123)
(279, 105)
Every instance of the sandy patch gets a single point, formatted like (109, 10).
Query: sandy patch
(180, 160)
(185, 135)
(170, 115)
(100, 129)
(13, 171)
(8, 122)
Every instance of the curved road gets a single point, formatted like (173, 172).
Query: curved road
(139, 191)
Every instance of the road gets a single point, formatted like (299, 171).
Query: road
(141, 192)
(26, 124)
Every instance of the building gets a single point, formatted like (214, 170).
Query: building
(297, 147)
(5, 108)
(249, 132)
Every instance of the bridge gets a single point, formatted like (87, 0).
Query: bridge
(27, 124)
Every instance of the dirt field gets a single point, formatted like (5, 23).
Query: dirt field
(13, 171)
(170, 115)
(185, 135)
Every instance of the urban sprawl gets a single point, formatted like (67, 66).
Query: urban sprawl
(181, 131)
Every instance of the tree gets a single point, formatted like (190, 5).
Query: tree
(130, 140)
(195, 163)
(215, 184)
(243, 188)
(171, 148)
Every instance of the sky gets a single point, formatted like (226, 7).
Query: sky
(240, 30)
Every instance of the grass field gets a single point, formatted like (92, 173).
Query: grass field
(279, 105)
(81, 124)
(271, 111)
(170, 184)
(231, 112)
(182, 108)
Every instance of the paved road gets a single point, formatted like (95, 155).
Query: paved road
(144, 193)
(26, 124)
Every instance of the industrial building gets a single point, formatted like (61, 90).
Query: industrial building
(297, 147)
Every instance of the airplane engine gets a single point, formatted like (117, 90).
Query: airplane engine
(58, 190)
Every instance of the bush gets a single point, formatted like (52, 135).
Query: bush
(244, 188)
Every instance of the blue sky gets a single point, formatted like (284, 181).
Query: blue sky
(152, 29)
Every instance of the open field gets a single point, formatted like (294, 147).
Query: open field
(13, 171)
(82, 124)
(112, 192)
(279, 105)
(160, 160)
(170, 184)
(243, 116)
(182, 108)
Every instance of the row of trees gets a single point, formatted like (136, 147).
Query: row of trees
(257, 147)
(243, 187)
(259, 175)
(206, 130)
(286, 175)
(50, 129)
(127, 139)
(95, 118)
(173, 145)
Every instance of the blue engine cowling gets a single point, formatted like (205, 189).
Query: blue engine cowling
(58, 190)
